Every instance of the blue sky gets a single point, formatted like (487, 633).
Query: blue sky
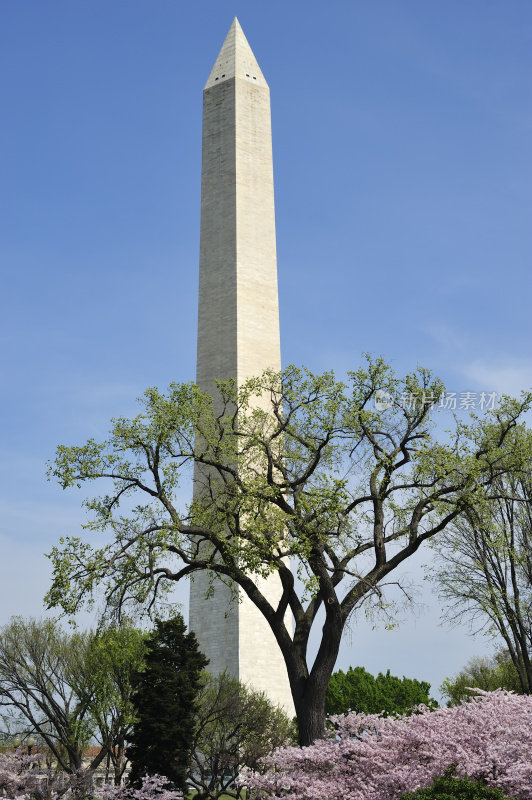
(401, 136)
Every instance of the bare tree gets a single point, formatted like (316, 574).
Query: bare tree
(234, 728)
(69, 689)
(485, 561)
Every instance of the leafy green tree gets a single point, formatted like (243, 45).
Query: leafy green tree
(164, 698)
(485, 560)
(482, 672)
(235, 727)
(325, 482)
(358, 690)
(113, 657)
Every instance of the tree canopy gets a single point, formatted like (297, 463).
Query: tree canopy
(358, 690)
(302, 475)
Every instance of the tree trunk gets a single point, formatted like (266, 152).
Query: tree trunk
(75, 760)
(309, 690)
(308, 693)
(118, 757)
(310, 711)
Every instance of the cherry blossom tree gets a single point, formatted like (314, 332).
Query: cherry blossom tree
(22, 779)
(152, 787)
(372, 757)
(16, 773)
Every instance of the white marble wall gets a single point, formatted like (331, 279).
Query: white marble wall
(238, 320)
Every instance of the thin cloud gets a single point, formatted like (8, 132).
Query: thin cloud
(506, 376)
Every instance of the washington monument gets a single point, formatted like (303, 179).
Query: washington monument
(238, 322)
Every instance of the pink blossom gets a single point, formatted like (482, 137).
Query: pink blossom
(21, 779)
(380, 758)
(17, 778)
(152, 789)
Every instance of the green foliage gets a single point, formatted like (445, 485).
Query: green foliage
(281, 479)
(358, 690)
(113, 657)
(482, 672)
(164, 699)
(296, 474)
(449, 787)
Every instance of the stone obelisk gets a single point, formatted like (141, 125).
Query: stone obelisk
(238, 322)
